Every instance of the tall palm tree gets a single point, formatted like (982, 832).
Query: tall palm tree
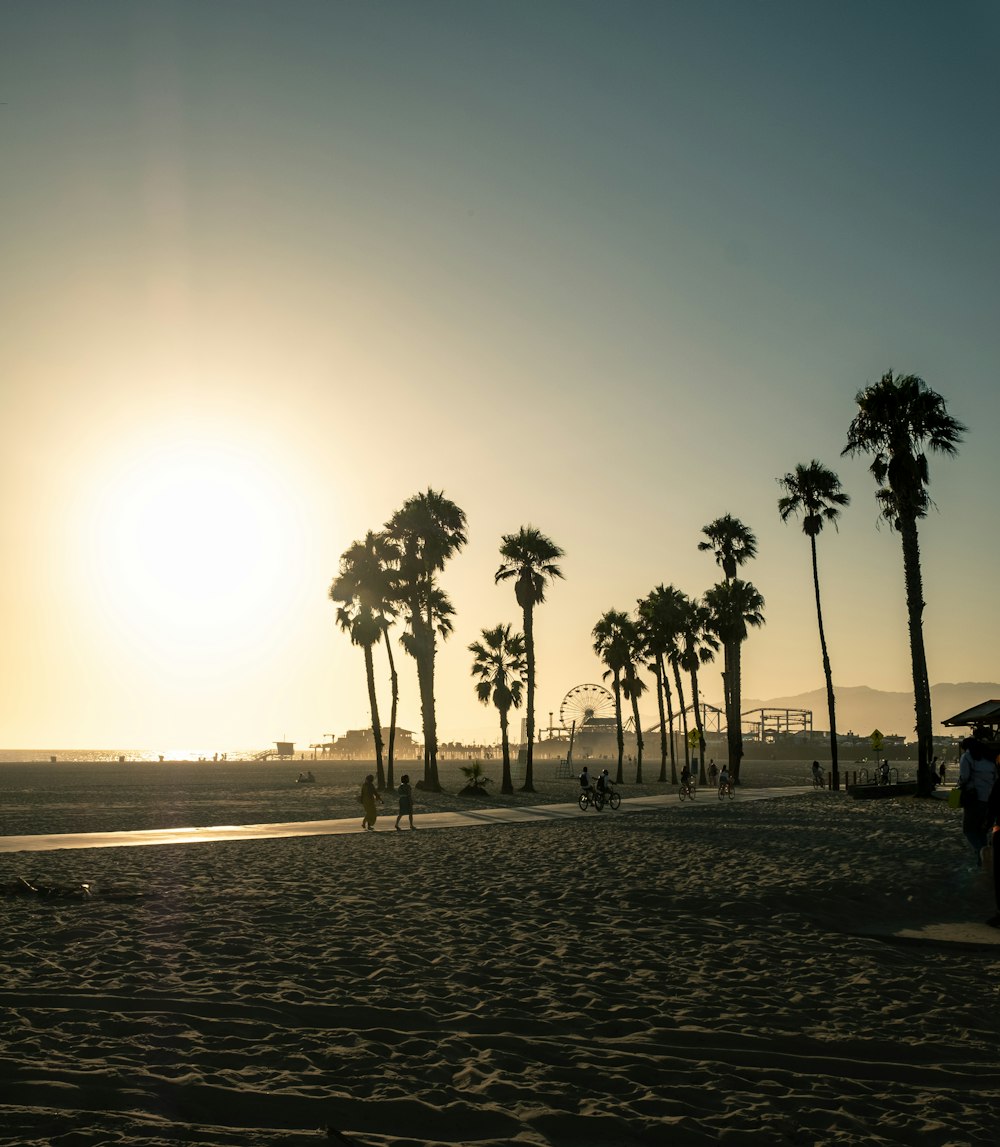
(656, 665)
(699, 647)
(429, 529)
(734, 545)
(388, 608)
(899, 420)
(612, 647)
(499, 664)
(360, 586)
(633, 686)
(815, 492)
(734, 605)
(659, 621)
(529, 557)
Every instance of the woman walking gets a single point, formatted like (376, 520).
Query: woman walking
(369, 798)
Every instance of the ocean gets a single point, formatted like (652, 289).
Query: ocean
(187, 754)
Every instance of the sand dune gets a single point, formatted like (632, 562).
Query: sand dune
(690, 975)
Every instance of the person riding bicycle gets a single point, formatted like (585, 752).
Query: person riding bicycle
(686, 778)
(586, 784)
(604, 783)
(817, 774)
(724, 779)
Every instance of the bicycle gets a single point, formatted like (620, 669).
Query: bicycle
(726, 790)
(590, 797)
(687, 791)
(610, 796)
(598, 799)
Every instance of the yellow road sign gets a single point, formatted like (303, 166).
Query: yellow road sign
(693, 737)
(876, 738)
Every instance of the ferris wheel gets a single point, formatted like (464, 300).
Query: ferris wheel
(585, 702)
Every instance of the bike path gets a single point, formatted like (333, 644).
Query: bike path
(471, 818)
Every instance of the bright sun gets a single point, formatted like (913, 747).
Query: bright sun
(188, 539)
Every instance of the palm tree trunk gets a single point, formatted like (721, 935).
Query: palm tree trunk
(702, 776)
(394, 686)
(376, 724)
(918, 656)
(831, 703)
(670, 722)
(684, 717)
(658, 668)
(735, 728)
(620, 776)
(638, 740)
(529, 657)
(506, 784)
(430, 652)
(727, 702)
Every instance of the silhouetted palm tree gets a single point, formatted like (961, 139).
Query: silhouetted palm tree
(530, 557)
(899, 419)
(667, 610)
(732, 543)
(699, 646)
(428, 529)
(633, 686)
(360, 587)
(612, 647)
(814, 492)
(657, 647)
(499, 663)
(734, 605)
(387, 553)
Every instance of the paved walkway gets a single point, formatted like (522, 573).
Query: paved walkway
(522, 814)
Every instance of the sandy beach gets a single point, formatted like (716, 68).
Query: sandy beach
(735, 973)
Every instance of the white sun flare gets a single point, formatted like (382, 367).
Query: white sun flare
(190, 538)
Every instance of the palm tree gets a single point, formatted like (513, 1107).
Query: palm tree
(633, 686)
(530, 557)
(428, 529)
(734, 605)
(360, 585)
(732, 543)
(899, 419)
(814, 492)
(499, 663)
(612, 647)
(659, 623)
(699, 646)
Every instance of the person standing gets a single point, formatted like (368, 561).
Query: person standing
(977, 773)
(369, 798)
(405, 801)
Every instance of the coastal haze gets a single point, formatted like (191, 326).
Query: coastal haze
(608, 270)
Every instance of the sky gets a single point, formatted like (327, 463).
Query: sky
(605, 268)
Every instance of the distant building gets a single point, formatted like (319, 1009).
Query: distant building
(359, 745)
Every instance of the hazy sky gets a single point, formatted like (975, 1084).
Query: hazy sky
(267, 269)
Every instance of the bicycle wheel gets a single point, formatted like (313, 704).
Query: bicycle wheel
(729, 792)
(722, 792)
(682, 793)
(599, 799)
(584, 801)
(615, 800)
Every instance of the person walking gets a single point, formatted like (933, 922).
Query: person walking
(369, 798)
(405, 801)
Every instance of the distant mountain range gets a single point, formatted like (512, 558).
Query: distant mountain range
(861, 709)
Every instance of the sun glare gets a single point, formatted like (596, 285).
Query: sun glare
(187, 538)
